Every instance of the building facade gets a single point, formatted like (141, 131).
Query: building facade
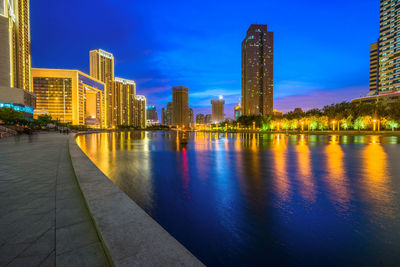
(125, 91)
(69, 96)
(257, 71)
(140, 114)
(15, 56)
(385, 57)
(208, 119)
(217, 110)
(191, 117)
(200, 119)
(152, 116)
(180, 104)
(102, 69)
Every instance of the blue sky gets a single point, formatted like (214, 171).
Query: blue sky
(321, 52)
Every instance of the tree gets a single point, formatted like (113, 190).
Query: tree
(44, 120)
(11, 116)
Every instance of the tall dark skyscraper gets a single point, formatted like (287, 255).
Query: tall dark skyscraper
(257, 71)
(180, 103)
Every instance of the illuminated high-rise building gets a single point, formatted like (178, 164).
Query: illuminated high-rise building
(384, 81)
(69, 96)
(257, 71)
(217, 110)
(180, 102)
(125, 91)
(191, 117)
(15, 44)
(140, 114)
(152, 116)
(200, 118)
(208, 119)
(102, 69)
(373, 71)
(15, 56)
(167, 114)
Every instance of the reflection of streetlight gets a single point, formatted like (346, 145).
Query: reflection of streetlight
(254, 125)
(278, 126)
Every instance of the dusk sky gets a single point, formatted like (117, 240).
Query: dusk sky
(321, 53)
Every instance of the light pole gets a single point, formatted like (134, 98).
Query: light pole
(302, 126)
(278, 126)
(333, 124)
(374, 125)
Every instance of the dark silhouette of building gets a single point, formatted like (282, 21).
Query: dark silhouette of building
(200, 119)
(180, 103)
(257, 71)
(217, 110)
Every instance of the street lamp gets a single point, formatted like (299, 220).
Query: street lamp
(333, 123)
(302, 126)
(374, 125)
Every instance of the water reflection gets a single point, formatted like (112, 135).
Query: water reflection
(307, 188)
(252, 199)
(376, 178)
(339, 190)
(281, 179)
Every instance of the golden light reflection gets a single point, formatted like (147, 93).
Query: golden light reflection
(307, 186)
(282, 183)
(376, 178)
(337, 179)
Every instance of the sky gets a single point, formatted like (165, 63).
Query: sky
(321, 48)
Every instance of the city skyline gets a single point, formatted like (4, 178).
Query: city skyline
(146, 61)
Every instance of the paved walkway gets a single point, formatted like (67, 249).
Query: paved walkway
(43, 218)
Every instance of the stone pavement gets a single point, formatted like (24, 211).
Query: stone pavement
(43, 217)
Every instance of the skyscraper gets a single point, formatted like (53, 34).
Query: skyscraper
(139, 114)
(152, 115)
(217, 110)
(102, 69)
(257, 71)
(384, 83)
(15, 44)
(180, 103)
(388, 56)
(125, 91)
(15, 57)
(200, 119)
(373, 72)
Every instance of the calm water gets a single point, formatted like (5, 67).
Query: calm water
(249, 199)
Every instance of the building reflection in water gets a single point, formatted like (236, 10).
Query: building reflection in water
(305, 176)
(136, 174)
(376, 178)
(336, 178)
(281, 179)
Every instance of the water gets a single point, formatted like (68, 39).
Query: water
(256, 199)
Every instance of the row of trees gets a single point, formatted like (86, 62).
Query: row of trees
(346, 115)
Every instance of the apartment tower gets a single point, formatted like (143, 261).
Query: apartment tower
(125, 91)
(217, 110)
(180, 103)
(102, 69)
(257, 71)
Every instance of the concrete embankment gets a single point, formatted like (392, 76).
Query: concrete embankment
(129, 235)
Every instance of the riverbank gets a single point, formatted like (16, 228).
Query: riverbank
(43, 217)
(130, 235)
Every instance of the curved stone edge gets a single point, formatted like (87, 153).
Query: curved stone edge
(129, 235)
